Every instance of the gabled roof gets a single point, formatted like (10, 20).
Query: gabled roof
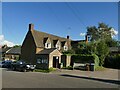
(14, 50)
(45, 39)
(3, 50)
(39, 37)
(63, 43)
(46, 51)
(55, 42)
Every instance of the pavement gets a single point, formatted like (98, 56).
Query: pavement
(61, 79)
(111, 74)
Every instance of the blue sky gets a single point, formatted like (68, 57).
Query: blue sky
(61, 19)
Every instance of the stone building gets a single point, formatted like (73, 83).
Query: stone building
(44, 49)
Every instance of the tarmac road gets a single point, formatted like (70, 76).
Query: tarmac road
(13, 79)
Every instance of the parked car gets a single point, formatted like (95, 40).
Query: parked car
(22, 66)
(1, 64)
(5, 64)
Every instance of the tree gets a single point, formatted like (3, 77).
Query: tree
(17, 46)
(69, 52)
(103, 31)
(93, 33)
(102, 51)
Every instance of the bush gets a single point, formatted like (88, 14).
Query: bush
(96, 61)
(82, 58)
(113, 61)
(68, 67)
(99, 68)
(68, 52)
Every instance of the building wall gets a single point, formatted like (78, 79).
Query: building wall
(11, 57)
(41, 61)
(66, 60)
(39, 49)
(55, 53)
(28, 49)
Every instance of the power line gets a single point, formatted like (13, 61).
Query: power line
(75, 14)
(62, 25)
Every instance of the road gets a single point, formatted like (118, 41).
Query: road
(13, 79)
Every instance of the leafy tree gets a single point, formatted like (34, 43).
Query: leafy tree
(112, 43)
(69, 52)
(93, 33)
(17, 46)
(102, 51)
(103, 31)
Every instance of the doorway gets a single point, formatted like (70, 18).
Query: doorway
(56, 62)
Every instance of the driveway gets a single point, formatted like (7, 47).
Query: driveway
(59, 79)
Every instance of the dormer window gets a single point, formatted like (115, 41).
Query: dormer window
(65, 48)
(58, 46)
(47, 45)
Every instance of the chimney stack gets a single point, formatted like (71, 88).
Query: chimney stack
(68, 37)
(86, 38)
(31, 26)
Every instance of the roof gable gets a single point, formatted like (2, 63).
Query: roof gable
(14, 50)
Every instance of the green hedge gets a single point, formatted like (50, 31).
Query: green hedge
(112, 61)
(83, 58)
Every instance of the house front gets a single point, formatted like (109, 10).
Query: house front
(13, 53)
(43, 49)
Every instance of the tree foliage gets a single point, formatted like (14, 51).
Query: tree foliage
(103, 31)
(102, 51)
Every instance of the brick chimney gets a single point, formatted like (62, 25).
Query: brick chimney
(31, 26)
(68, 37)
(86, 38)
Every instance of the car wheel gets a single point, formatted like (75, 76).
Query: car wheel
(24, 70)
(13, 68)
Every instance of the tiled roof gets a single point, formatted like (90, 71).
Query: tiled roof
(3, 50)
(39, 38)
(14, 50)
(46, 51)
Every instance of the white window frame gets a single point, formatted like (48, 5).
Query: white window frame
(65, 48)
(47, 45)
(57, 46)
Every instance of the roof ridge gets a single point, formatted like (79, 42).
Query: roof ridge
(49, 34)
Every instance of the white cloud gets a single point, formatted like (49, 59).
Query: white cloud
(114, 32)
(3, 41)
(82, 34)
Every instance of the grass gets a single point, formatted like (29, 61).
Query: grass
(99, 68)
(45, 70)
(68, 67)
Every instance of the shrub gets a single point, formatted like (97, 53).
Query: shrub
(112, 61)
(96, 61)
(68, 67)
(82, 58)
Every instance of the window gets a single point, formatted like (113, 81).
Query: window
(58, 46)
(42, 60)
(39, 60)
(47, 45)
(65, 48)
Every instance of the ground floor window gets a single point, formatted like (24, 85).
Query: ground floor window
(42, 60)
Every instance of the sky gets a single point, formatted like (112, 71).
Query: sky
(60, 18)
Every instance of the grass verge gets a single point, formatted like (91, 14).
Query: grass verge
(45, 70)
